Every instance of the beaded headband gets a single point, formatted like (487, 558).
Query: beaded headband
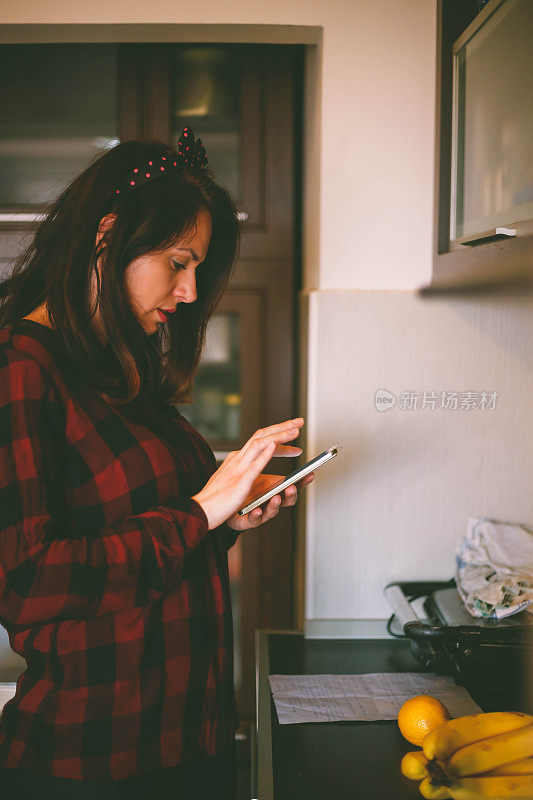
(191, 153)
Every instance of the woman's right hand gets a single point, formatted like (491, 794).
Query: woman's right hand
(228, 487)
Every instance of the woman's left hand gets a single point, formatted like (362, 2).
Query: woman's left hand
(263, 513)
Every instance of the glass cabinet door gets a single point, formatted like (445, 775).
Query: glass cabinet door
(216, 411)
(218, 91)
(207, 88)
(492, 165)
(226, 396)
(59, 109)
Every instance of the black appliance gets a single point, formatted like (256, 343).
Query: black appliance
(493, 655)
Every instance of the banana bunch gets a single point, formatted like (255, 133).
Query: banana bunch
(475, 757)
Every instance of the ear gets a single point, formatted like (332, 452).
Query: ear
(106, 223)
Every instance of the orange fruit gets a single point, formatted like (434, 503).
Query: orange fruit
(419, 715)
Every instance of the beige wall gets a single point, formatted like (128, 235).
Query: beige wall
(393, 504)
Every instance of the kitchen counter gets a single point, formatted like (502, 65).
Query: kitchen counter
(333, 759)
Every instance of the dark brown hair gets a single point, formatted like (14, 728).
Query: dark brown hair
(58, 264)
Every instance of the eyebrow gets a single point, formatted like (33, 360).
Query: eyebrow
(188, 250)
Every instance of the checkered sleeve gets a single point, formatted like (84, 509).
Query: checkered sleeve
(47, 572)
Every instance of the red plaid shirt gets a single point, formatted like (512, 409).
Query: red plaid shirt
(112, 588)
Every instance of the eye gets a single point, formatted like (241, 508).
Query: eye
(177, 265)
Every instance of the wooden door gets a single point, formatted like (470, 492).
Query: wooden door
(265, 120)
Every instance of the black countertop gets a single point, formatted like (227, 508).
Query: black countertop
(333, 759)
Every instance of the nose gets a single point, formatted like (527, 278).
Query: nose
(186, 289)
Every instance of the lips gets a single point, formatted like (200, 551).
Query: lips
(163, 313)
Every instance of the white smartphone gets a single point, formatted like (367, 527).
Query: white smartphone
(294, 477)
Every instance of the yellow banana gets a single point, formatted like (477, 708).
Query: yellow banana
(491, 753)
(414, 765)
(433, 791)
(446, 738)
(511, 787)
(524, 767)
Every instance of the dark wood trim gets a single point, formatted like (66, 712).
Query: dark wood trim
(267, 555)
(275, 240)
(250, 609)
(489, 267)
(248, 302)
(251, 197)
(158, 93)
(129, 92)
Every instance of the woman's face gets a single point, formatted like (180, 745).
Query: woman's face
(162, 280)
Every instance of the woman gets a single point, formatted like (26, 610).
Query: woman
(114, 521)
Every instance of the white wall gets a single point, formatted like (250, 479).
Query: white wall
(393, 504)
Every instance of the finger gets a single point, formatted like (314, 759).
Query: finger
(291, 496)
(255, 518)
(283, 436)
(286, 450)
(274, 430)
(280, 427)
(259, 516)
(252, 454)
(272, 508)
(257, 456)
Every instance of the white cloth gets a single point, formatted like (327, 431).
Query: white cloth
(494, 568)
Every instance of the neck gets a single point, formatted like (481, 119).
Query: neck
(40, 315)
